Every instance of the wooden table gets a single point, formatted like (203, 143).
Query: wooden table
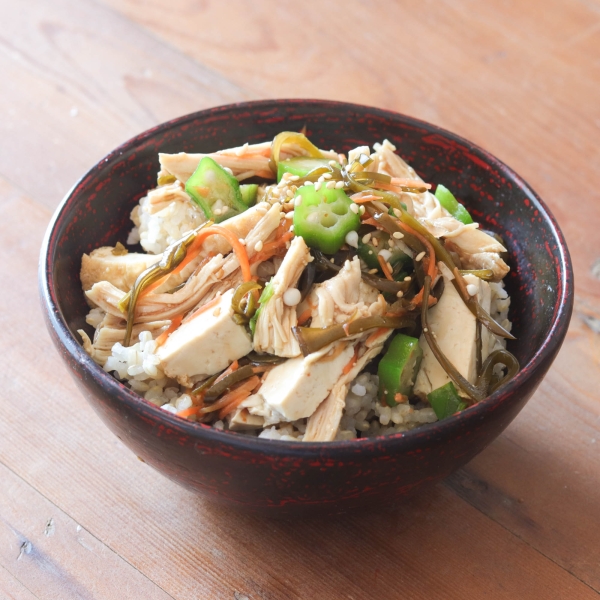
(80, 516)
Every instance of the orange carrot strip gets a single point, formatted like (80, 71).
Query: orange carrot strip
(271, 248)
(188, 412)
(431, 267)
(175, 323)
(351, 362)
(376, 334)
(304, 316)
(412, 183)
(384, 267)
(362, 199)
(245, 386)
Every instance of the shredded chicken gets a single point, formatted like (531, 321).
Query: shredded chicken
(274, 325)
(244, 161)
(342, 297)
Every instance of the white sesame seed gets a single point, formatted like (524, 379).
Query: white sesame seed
(339, 185)
(294, 177)
(289, 215)
(425, 330)
(352, 239)
(309, 183)
(366, 238)
(362, 210)
(398, 235)
(419, 256)
(399, 294)
(354, 208)
(242, 241)
(228, 170)
(331, 260)
(318, 186)
(370, 251)
(391, 243)
(217, 211)
(372, 271)
(326, 175)
(258, 246)
(291, 228)
(289, 194)
(321, 179)
(472, 289)
(298, 201)
(408, 278)
(291, 297)
(330, 185)
(332, 163)
(397, 212)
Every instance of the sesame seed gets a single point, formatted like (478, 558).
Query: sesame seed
(242, 241)
(372, 271)
(258, 246)
(217, 211)
(332, 163)
(326, 175)
(294, 177)
(408, 278)
(289, 215)
(370, 251)
(321, 179)
(330, 185)
(397, 212)
(289, 194)
(391, 243)
(354, 208)
(366, 238)
(398, 235)
(352, 239)
(362, 210)
(331, 260)
(298, 201)
(399, 294)
(425, 330)
(309, 183)
(318, 186)
(419, 256)
(292, 228)
(339, 185)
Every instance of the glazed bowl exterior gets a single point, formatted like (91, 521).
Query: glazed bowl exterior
(286, 478)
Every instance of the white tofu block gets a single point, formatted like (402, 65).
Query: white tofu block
(296, 388)
(455, 328)
(206, 344)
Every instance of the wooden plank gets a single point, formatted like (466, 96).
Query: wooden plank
(438, 545)
(44, 549)
(78, 80)
(12, 589)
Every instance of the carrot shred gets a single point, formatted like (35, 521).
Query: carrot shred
(376, 334)
(384, 267)
(413, 183)
(358, 199)
(228, 371)
(243, 390)
(188, 412)
(431, 266)
(204, 307)
(304, 316)
(370, 221)
(351, 362)
(272, 248)
(175, 323)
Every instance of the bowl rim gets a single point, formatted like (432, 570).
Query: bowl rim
(373, 445)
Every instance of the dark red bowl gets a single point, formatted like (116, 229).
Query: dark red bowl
(283, 478)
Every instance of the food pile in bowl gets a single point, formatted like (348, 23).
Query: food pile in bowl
(293, 293)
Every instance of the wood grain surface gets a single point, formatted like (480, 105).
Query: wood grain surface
(80, 516)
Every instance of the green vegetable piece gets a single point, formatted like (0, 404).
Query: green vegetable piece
(369, 251)
(215, 191)
(266, 295)
(300, 166)
(323, 218)
(249, 192)
(452, 205)
(445, 401)
(399, 367)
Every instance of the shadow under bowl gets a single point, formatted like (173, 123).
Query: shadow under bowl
(286, 478)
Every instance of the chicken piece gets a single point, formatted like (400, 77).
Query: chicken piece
(121, 270)
(106, 336)
(245, 161)
(211, 276)
(455, 328)
(205, 344)
(324, 423)
(276, 319)
(294, 389)
(343, 296)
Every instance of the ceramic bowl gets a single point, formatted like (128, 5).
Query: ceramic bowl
(286, 478)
